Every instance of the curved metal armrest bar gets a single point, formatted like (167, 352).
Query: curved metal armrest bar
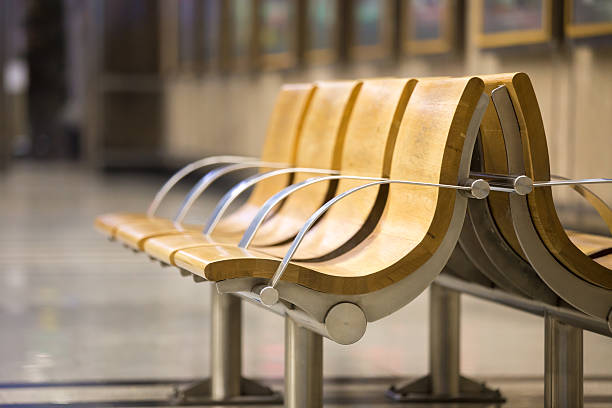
(190, 168)
(244, 185)
(604, 211)
(567, 182)
(210, 177)
(477, 188)
(269, 295)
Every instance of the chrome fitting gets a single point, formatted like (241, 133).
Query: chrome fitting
(523, 185)
(269, 296)
(478, 189)
(345, 323)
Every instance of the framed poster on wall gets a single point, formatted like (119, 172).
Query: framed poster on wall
(241, 33)
(503, 23)
(371, 29)
(428, 26)
(588, 18)
(277, 30)
(199, 34)
(321, 31)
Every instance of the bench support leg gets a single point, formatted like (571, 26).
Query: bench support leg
(563, 373)
(444, 383)
(303, 367)
(226, 382)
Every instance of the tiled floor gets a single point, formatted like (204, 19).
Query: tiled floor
(76, 307)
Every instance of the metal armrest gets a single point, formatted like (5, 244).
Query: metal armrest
(245, 184)
(189, 168)
(604, 211)
(269, 295)
(210, 177)
(478, 189)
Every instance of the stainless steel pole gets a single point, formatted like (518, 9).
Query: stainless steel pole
(303, 367)
(563, 371)
(226, 345)
(444, 340)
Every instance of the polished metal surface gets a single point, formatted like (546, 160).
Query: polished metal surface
(444, 384)
(479, 189)
(444, 318)
(563, 373)
(551, 183)
(472, 249)
(523, 185)
(563, 313)
(484, 245)
(225, 345)
(212, 176)
(588, 298)
(346, 323)
(505, 267)
(343, 323)
(185, 171)
(244, 185)
(303, 367)
(520, 185)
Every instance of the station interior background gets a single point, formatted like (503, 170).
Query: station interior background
(102, 99)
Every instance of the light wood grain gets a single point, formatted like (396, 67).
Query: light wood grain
(428, 148)
(590, 244)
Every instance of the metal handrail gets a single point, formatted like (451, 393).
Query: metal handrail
(265, 209)
(244, 185)
(186, 170)
(198, 189)
(269, 294)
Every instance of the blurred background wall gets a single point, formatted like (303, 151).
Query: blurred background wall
(152, 84)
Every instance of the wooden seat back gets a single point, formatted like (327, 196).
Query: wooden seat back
(537, 165)
(320, 146)
(280, 145)
(368, 145)
(426, 147)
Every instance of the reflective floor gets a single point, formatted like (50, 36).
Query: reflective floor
(74, 307)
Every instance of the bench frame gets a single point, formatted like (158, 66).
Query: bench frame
(310, 314)
(588, 307)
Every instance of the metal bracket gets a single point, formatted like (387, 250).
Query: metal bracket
(420, 390)
(251, 392)
(185, 171)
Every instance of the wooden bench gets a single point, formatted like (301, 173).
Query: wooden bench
(402, 252)
(400, 159)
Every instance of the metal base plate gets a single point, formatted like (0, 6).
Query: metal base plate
(251, 392)
(420, 390)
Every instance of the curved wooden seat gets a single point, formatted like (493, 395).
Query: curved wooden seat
(540, 201)
(320, 146)
(428, 148)
(368, 141)
(595, 246)
(280, 146)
